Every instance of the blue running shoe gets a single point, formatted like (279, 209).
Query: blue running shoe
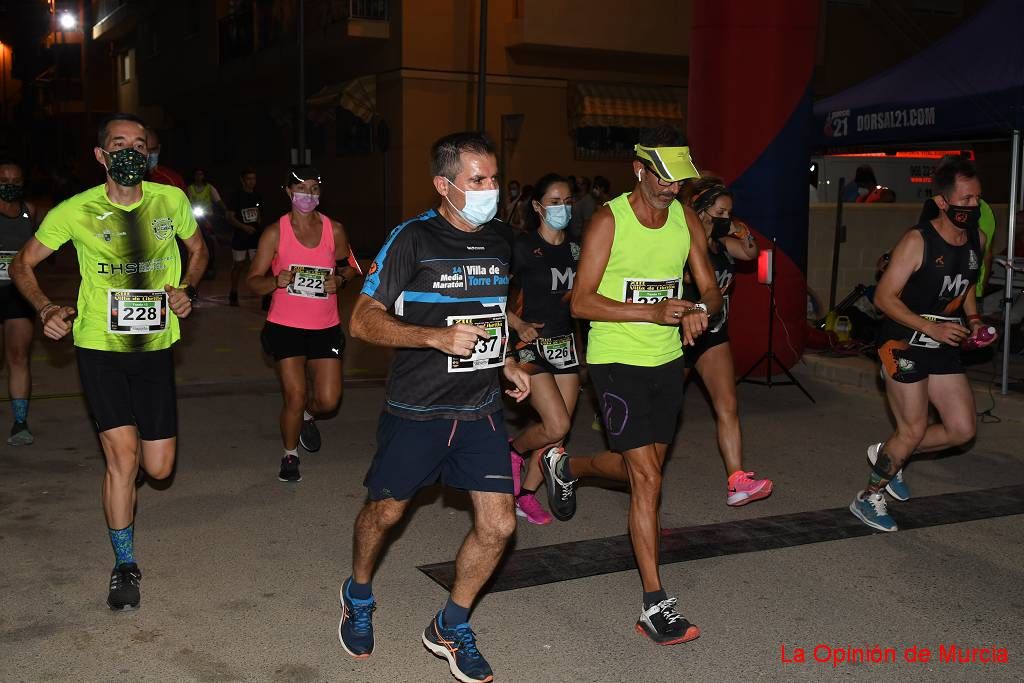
(896, 487)
(458, 646)
(870, 509)
(355, 630)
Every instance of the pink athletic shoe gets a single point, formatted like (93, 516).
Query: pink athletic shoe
(743, 489)
(517, 469)
(529, 507)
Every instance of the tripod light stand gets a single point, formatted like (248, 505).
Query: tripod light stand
(766, 275)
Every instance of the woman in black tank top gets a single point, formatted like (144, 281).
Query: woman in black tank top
(728, 240)
(17, 224)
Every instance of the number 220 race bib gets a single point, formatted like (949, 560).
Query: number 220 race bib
(647, 291)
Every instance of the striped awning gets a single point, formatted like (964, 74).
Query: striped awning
(627, 106)
(359, 96)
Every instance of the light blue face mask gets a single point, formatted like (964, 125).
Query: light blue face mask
(557, 216)
(481, 205)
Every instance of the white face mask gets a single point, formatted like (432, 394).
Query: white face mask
(481, 205)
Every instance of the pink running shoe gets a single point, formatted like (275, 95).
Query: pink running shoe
(743, 488)
(517, 470)
(529, 507)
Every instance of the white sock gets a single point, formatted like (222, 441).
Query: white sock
(293, 452)
(306, 416)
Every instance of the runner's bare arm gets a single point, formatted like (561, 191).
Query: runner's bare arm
(232, 217)
(740, 242)
(198, 257)
(24, 275)
(258, 279)
(56, 318)
(346, 273)
(700, 264)
(588, 304)
(971, 300)
(371, 322)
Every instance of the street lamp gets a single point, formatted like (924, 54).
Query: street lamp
(67, 21)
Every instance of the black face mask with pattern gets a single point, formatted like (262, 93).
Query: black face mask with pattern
(964, 217)
(127, 166)
(9, 192)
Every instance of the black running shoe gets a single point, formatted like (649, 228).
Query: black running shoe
(289, 469)
(561, 492)
(664, 625)
(20, 435)
(124, 587)
(309, 436)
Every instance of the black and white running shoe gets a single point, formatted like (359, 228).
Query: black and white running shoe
(309, 436)
(560, 489)
(664, 625)
(289, 470)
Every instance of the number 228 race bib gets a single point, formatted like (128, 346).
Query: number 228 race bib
(309, 281)
(648, 291)
(489, 352)
(136, 311)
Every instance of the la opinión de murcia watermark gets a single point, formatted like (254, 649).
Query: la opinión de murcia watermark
(838, 655)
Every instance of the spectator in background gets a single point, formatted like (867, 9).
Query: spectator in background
(864, 182)
(601, 190)
(511, 199)
(155, 172)
(583, 208)
(244, 217)
(204, 198)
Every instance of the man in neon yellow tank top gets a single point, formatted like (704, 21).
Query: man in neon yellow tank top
(132, 293)
(629, 285)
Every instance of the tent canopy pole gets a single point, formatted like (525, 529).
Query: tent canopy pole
(1015, 178)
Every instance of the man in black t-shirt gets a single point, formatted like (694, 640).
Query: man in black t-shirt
(244, 217)
(436, 293)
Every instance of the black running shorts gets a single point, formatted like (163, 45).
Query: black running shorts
(281, 341)
(704, 342)
(639, 405)
(130, 388)
(909, 364)
(541, 357)
(464, 454)
(14, 305)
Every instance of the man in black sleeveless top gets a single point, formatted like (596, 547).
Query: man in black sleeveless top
(927, 295)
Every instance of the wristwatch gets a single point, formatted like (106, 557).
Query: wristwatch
(191, 292)
(701, 306)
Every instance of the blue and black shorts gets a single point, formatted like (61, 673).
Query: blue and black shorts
(465, 454)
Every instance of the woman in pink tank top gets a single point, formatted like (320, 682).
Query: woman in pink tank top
(308, 259)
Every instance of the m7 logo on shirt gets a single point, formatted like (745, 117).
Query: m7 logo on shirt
(954, 286)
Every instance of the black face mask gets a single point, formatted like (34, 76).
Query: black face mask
(720, 226)
(10, 192)
(964, 217)
(127, 166)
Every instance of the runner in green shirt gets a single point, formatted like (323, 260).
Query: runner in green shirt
(129, 302)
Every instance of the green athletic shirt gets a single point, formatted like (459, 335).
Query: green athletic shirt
(122, 248)
(987, 225)
(645, 266)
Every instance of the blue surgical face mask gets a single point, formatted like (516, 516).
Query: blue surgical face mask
(557, 216)
(481, 205)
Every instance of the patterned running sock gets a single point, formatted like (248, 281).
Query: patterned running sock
(880, 472)
(360, 591)
(123, 541)
(20, 408)
(454, 614)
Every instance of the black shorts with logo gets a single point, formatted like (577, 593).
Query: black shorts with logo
(13, 305)
(908, 364)
(464, 454)
(282, 341)
(130, 388)
(708, 340)
(639, 405)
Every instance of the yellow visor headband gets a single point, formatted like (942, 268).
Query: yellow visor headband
(671, 164)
